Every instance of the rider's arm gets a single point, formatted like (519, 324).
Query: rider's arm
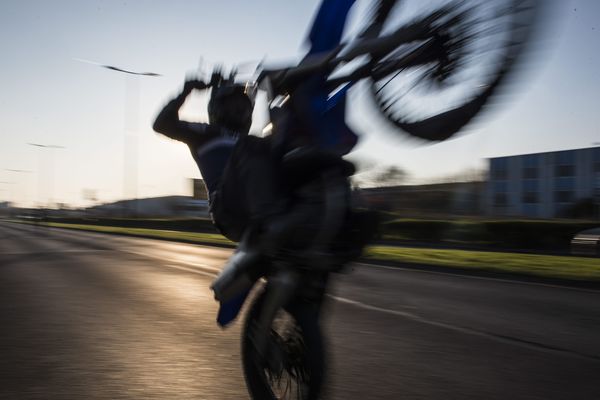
(168, 123)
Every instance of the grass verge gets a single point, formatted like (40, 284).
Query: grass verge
(581, 269)
(195, 237)
(537, 265)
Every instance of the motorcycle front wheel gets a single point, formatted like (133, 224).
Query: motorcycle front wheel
(469, 49)
(294, 364)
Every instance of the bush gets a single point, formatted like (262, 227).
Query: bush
(508, 234)
(511, 234)
(413, 229)
(533, 234)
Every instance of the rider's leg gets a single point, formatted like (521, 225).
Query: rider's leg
(272, 213)
(250, 191)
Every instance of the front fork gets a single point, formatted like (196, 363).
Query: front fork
(281, 289)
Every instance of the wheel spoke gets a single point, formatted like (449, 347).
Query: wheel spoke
(290, 381)
(474, 43)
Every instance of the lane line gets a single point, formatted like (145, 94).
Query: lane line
(206, 270)
(481, 278)
(192, 270)
(531, 345)
(194, 266)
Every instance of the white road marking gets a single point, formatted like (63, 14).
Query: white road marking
(192, 270)
(482, 278)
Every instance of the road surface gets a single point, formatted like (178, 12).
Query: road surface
(92, 316)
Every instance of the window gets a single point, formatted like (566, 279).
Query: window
(530, 185)
(530, 166)
(499, 168)
(530, 173)
(564, 164)
(564, 184)
(499, 174)
(530, 210)
(565, 157)
(530, 197)
(529, 191)
(500, 187)
(562, 171)
(563, 196)
(500, 200)
(531, 160)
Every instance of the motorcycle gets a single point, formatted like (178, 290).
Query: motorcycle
(461, 52)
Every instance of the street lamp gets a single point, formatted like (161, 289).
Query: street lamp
(50, 147)
(129, 146)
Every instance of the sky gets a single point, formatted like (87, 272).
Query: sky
(102, 119)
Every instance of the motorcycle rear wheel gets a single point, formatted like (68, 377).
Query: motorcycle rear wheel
(295, 340)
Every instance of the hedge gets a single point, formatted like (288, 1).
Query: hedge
(513, 234)
(184, 225)
(509, 234)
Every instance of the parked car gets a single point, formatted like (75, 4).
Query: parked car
(586, 243)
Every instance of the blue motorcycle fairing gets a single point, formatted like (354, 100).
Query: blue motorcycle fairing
(325, 114)
(228, 310)
(328, 26)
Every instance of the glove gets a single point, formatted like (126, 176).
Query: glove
(192, 84)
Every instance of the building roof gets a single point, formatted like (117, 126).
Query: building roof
(545, 152)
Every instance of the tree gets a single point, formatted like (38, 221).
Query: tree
(391, 176)
(388, 176)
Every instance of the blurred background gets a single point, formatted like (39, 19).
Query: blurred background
(510, 207)
(101, 119)
(77, 140)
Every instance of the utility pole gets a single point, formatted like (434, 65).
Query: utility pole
(9, 204)
(131, 111)
(50, 171)
(18, 171)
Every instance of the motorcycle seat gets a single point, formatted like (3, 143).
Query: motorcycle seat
(305, 163)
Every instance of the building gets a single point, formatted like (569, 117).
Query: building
(4, 208)
(167, 206)
(545, 185)
(431, 200)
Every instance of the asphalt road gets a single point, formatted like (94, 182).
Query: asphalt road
(91, 316)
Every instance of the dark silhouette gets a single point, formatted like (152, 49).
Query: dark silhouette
(238, 169)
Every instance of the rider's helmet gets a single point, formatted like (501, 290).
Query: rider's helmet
(231, 105)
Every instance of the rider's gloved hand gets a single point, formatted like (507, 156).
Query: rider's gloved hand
(191, 84)
(216, 78)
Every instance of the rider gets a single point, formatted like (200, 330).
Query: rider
(246, 194)
(248, 190)
(245, 190)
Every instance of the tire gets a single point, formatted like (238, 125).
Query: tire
(304, 351)
(472, 48)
